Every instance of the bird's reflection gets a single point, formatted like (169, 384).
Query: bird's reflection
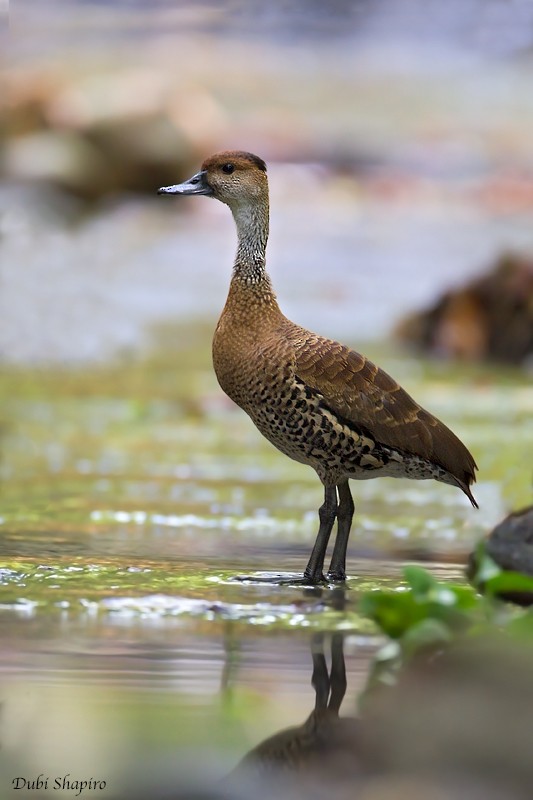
(454, 725)
(325, 743)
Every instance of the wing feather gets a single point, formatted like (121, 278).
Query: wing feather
(364, 395)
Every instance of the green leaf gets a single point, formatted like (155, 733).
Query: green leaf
(442, 595)
(486, 567)
(466, 598)
(397, 612)
(428, 633)
(420, 580)
(506, 582)
(394, 612)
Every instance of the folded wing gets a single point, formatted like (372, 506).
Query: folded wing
(363, 395)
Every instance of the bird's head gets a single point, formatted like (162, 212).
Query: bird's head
(234, 177)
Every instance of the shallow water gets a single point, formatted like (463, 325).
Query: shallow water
(141, 547)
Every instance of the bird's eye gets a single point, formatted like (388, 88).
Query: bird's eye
(228, 168)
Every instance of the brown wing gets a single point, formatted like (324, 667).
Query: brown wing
(366, 396)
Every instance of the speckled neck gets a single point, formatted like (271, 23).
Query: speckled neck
(251, 305)
(252, 222)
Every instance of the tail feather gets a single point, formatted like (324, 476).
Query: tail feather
(450, 452)
(466, 489)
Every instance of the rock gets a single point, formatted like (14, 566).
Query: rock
(511, 542)
(510, 545)
(489, 319)
(61, 159)
(98, 133)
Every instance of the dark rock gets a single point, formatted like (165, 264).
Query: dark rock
(510, 545)
(511, 542)
(489, 319)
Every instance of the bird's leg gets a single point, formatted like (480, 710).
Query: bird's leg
(337, 568)
(320, 677)
(326, 513)
(337, 673)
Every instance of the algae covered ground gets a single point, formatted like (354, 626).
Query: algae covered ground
(141, 479)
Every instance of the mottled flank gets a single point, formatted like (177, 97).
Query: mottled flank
(366, 398)
(316, 400)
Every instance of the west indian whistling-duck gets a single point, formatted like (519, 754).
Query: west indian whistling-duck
(316, 400)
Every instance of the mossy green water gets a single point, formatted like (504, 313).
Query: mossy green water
(140, 478)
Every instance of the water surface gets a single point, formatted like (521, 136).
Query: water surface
(141, 517)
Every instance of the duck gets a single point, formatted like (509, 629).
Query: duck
(316, 400)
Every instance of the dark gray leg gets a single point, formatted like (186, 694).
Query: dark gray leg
(337, 568)
(320, 677)
(326, 513)
(337, 673)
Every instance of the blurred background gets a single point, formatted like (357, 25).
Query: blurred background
(398, 136)
(401, 139)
